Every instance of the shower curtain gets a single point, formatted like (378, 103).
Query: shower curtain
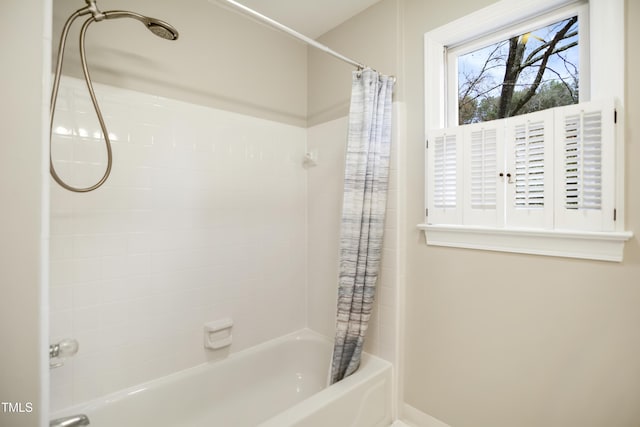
(363, 208)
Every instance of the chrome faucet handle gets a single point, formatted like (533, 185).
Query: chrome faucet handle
(65, 348)
(53, 365)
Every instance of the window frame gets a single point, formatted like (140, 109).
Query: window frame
(606, 81)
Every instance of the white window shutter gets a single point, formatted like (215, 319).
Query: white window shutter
(483, 159)
(529, 170)
(444, 171)
(585, 164)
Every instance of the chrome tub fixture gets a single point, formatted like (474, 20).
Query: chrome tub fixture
(72, 421)
(58, 352)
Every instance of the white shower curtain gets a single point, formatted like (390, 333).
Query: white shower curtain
(363, 209)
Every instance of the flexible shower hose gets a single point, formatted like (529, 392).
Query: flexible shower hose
(54, 95)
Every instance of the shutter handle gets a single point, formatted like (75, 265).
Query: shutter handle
(509, 181)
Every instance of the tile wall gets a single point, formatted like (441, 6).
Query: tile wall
(203, 217)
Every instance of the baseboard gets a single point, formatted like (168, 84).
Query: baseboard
(418, 418)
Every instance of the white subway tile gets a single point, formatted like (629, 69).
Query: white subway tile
(61, 271)
(113, 290)
(60, 325)
(86, 320)
(138, 265)
(60, 247)
(139, 243)
(113, 244)
(63, 374)
(61, 298)
(61, 396)
(61, 224)
(88, 294)
(87, 388)
(113, 267)
(387, 342)
(386, 296)
(203, 218)
(86, 246)
(114, 380)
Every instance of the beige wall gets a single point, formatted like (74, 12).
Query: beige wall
(372, 38)
(515, 340)
(221, 59)
(21, 196)
(497, 339)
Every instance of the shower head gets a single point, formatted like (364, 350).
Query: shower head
(156, 26)
(161, 29)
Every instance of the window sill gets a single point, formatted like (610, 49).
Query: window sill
(603, 246)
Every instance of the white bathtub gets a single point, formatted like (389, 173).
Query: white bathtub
(276, 384)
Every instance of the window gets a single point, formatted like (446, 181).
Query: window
(520, 73)
(524, 135)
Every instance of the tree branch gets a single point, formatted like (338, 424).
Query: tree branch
(543, 65)
(563, 82)
(484, 69)
(545, 45)
(560, 49)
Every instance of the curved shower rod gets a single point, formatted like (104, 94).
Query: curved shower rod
(308, 40)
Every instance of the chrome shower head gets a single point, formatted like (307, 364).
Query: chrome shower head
(161, 29)
(156, 26)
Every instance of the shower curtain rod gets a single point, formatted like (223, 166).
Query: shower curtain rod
(293, 33)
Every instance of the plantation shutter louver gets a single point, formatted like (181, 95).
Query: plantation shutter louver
(444, 186)
(483, 169)
(583, 160)
(529, 166)
(482, 162)
(529, 171)
(445, 172)
(585, 153)
(574, 192)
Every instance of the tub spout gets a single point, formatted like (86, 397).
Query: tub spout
(72, 421)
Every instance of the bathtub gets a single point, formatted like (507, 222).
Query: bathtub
(276, 384)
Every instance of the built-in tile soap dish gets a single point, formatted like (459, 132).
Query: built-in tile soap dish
(217, 334)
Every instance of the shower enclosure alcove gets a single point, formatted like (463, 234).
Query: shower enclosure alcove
(209, 211)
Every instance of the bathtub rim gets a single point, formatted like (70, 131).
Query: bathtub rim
(371, 367)
(368, 364)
